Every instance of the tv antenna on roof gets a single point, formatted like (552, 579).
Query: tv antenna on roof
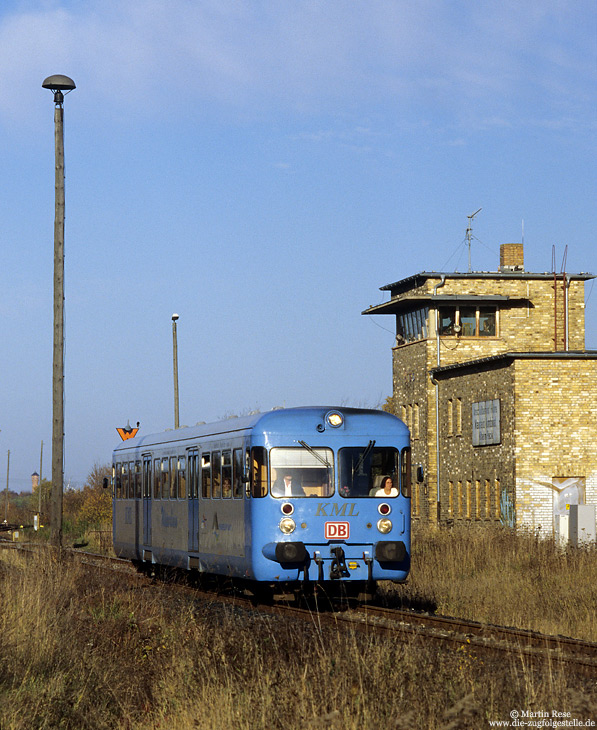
(469, 235)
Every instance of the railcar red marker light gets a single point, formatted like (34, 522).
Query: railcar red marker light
(384, 509)
(287, 508)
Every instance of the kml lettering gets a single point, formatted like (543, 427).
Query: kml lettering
(335, 510)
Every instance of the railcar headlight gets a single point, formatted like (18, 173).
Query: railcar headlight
(334, 419)
(287, 525)
(384, 525)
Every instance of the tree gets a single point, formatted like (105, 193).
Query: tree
(96, 502)
(389, 406)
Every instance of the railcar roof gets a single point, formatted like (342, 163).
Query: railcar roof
(269, 420)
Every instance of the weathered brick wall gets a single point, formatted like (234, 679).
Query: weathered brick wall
(523, 327)
(491, 467)
(555, 433)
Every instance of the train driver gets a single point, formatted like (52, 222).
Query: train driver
(287, 485)
(385, 489)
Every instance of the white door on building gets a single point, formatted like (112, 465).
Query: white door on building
(567, 491)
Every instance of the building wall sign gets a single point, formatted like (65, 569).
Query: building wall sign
(486, 423)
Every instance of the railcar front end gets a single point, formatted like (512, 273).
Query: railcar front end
(331, 498)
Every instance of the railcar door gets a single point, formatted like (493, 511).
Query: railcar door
(193, 496)
(147, 500)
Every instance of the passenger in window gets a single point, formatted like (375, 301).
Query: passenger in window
(226, 488)
(287, 486)
(386, 489)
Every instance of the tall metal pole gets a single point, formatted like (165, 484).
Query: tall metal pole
(175, 368)
(58, 360)
(469, 234)
(58, 84)
(41, 458)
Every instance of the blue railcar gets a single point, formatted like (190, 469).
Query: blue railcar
(301, 496)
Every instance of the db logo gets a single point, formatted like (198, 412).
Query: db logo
(337, 530)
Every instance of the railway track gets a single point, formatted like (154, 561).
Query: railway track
(487, 638)
(476, 638)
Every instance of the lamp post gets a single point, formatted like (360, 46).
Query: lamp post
(58, 84)
(175, 367)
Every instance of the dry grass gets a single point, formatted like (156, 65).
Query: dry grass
(87, 650)
(493, 575)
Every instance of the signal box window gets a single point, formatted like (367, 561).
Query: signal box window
(468, 321)
(366, 471)
(447, 320)
(258, 471)
(412, 326)
(486, 322)
(304, 472)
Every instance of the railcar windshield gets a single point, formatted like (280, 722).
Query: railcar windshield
(301, 472)
(369, 471)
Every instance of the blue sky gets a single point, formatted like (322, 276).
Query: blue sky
(262, 168)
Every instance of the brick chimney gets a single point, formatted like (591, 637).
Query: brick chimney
(511, 257)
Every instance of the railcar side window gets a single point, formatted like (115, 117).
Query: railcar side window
(226, 474)
(302, 472)
(137, 494)
(237, 481)
(157, 476)
(405, 472)
(125, 480)
(216, 476)
(118, 480)
(258, 471)
(146, 477)
(165, 479)
(248, 472)
(182, 477)
(369, 472)
(173, 475)
(193, 475)
(205, 476)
